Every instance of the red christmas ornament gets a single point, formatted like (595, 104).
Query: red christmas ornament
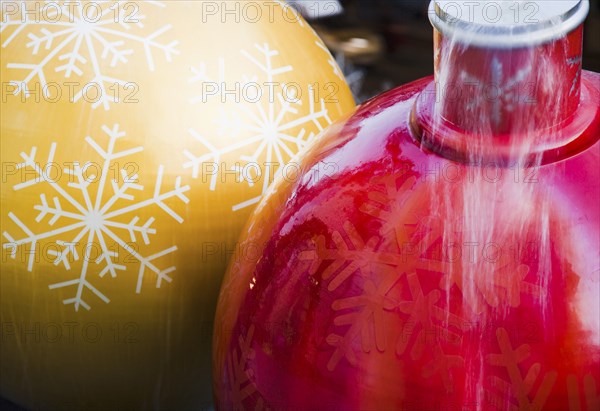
(436, 250)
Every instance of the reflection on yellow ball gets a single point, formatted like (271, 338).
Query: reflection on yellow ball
(136, 138)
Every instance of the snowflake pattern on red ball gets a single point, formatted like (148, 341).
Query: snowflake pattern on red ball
(384, 271)
(519, 385)
(393, 263)
(241, 383)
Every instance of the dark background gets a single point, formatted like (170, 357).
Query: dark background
(407, 42)
(404, 35)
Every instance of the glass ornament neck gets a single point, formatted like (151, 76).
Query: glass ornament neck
(508, 67)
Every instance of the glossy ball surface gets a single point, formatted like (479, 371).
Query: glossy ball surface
(386, 276)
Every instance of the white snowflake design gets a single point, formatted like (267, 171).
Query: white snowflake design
(330, 60)
(94, 220)
(507, 94)
(268, 136)
(82, 43)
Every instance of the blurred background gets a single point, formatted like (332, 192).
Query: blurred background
(381, 44)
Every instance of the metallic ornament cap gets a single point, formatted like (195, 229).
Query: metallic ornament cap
(507, 24)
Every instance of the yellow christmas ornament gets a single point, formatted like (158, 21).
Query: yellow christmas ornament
(136, 139)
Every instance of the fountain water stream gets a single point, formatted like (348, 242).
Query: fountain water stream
(515, 87)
